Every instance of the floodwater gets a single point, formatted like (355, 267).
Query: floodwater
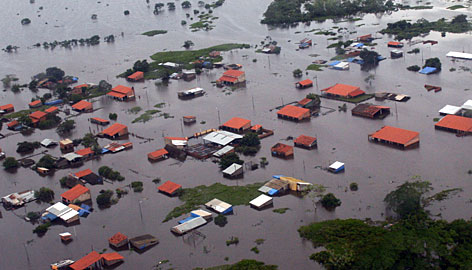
(442, 158)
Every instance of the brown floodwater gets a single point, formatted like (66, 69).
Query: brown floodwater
(442, 158)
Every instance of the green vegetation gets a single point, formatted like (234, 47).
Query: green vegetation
(454, 7)
(250, 144)
(154, 32)
(221, 220)
(243, 265)
(354, 186)
(194, 197)
(146, 116)
(10, 163)
(415, 51)
(65, 127)
(89, 140)
(137, 186)
(42, 229)
(108, 173)
(330, 202)
(44, 194)
(113, 116)
(232, 241)
(259, 241)
(25, 21)
(255, 250)
(229, 159)
(27, 147)
(46, 161)
(315, 67)
(414, 68)
(204, 23)
(297, 73)
(33, 216)
(433, 62)
(406, 30)
(280, 210)
(135, 110)
(104, 199)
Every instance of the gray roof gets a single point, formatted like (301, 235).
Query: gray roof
(222, 137)
(189, 225)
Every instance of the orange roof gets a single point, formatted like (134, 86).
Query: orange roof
(98, 119)
(6, 107)
(122, 89)
(83, 173)
(394, 43)
(305, 140)
(114, 129)
(84, 152)
(344, 90)
(233, 73)
(456, 122)
(112, 256)
(74, 192)
(227, 79)
(13, 124)
(158, 153)
(86, 261)
(394, 134)
(35, 103)
(304, 101)
(38, 114)
(169, 187)
(256, 127)
(237, 123)
(115, 94)
(51, 109)
(281, 148)
(305, 82)
(136, 76)
(81, 86)
(190, 117)
(117, 238)
(177, 138)
(81, 105)
(293, 111)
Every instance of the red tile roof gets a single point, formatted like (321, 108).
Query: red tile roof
(305, 140)
(117, 238)
(112, 256)
(233, 73)
(115, 94)
(293, 111)
(81, 86)
(256, 127)
(237, 123)
(228, 79)
(35, 103)
(85, 151)
(456, 122)
(344, 90)
(86, 261)
(306, 82)
(7, 107)
(304, 101)
(394, 43)
(396, 135)
(169, 187)
(81, 105)
(74, 192)
(138, 75)
(114, 129)
(177, 138)
(281, 148)
(98, 119)
(157, 153)
(122, 89)
(38, 114)
(13, 123)
(51, 109)
(83, 173)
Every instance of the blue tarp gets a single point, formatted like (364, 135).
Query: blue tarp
(186, 219)
(104, 150)
(83, 213)
(53, 102)
(380, 58)
(277, 176)
(273, 192)
(194, 215)
(339, 169)
(359, 45)
(334, 63)
(227, 211)
(85, 207)
(350, 60)
(427, 70)
(49, 216)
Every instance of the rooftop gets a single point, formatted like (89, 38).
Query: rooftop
(237, 123)
(293, 111)
(114, 129)
(83, 173)
(158, 153)
(344, 90)
(305, 140)
(113, 256)
(86, 261)
(117, 238)
(122, 89)
(456, 122)
(394, 134)
(75, 192)
(38, 114)
(233, 73)
(305, 82)
(281, 148)
(85, 151)
(169, 187)
(35, 102)
(83, 104)
(136, 75)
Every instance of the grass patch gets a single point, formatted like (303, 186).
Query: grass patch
(143, 118)
(454, 7)
(259, 241)
(154, 32)
(232, 241)
(255, 250)
(194, 197)
(280, 210)
(358, 99)
(315, 67)
(135, 110)
(160, 105)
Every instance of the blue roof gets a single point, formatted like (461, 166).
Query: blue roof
(334, 63)
(427, 70)
(273, 192)
(49, 216)
(350, 59)
(186, 219)
(227, 211)
(104, 150)
(85, 207)
(53, 102)
(380, 58)
(277, 176)
(83, 212)
(359, 45)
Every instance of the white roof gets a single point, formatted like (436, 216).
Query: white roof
(189, 225)
(260, 201)
(19, 198)
(397, 51)
(222, 137)
(170, 64)
(342, 65)
(62, 211)
(71, 213)
(179, 142)
(65, 234)
(71, 156)
(467, 105)
(461, 55)
(218, 205)
(450, 109)
(336, 165)
(233, 168)
(223, 151)
(193, 91)
(189, 72)
(47, 142)
(400, 97)
(264, 189)
(202, 213)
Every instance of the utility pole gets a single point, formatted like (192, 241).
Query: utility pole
(219, 120)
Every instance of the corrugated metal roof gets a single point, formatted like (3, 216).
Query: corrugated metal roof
(223, 151)
(222, 137)
(218, 205)
(261, 200)
(233, 168)
(450, 109)
(189, 225)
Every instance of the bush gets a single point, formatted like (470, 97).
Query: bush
(297, 73)
(42, 229)
(353, 186)
(25, 147)
(44, 194)
(113, 116)
(33, 216)
(126, 12)
(221, 220)
(10, 163)
(65, 127)
(46, 161)
(104, 199)
(89, 140)
(63, 181)
(137, 186)
(433, 62)
(250, 139)
(232, 241)
(330, 202)
(229, 159)
(414, 68)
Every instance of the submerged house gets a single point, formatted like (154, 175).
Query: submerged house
(85, 176)
(394, 136)
(109, 259)
(395, 44)
(293, 113)
(336, 167)
(294, 184)
(7, 108)
(136, 77)
(371, 111)
(143, 241)
(304, 84)
(170, 188)
(306, 142)
(115, 131)
(237, 125)
(83, 106)
(234, 170)
(189, 225)
(219, 206)
(340, 90)
(99, 121)
(454, 123)
(37, 117)
(122, 93)
(232, 77)
(158, 155)
(18, 199)
(222, 138)
(118, 240)
(282, 150)
(61, 211)
(191, 93)
(275, 186)
(450, 109)
(78, 193)
(90, 261)
(261, 201)
(179, 142)
(66, 145)
(35, 104)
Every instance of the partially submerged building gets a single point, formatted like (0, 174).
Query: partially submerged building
(189, 225)
(293, 113)
(306, 142)
(282, 150)
(294, 184)
(170, 188)
(90, 261)
(37, 117)
(275, 186)
(115, 131)
(394, 136)
(35, 104)
(78, 193)
(233, 171)
(118, 240)
(219, 206)
(232, 77)
(158, 155)
(395, 44)
(143, 241)
(99, 121)
(454, 123)
(223, 151)
(61, 211)
(136, 77)
(83, 106)
(340, 90)
(179, 142)
(48, 143)
(336, 167)
(122, 93)
(261, 201)
(18, 199)
(371, 111)
(304, 84)
(66, 145)
(222, 138)
(109, 259)
(86, 176)
(237, 125)
(191, 93)
(450, 109)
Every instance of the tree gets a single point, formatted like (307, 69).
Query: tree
(126, 12)
(297, 73)
(188, 44)
(65, 126)
(433, 62)
(171, 6)
(460, 19)
(55, 73)
(104, 86)
(112, 116)
(250, 139)
(25, 21)
(407, 198)
(46, 161)
(104, 199)
(158, 7)
(26, 147)
(370, 59)
(25, 120)
(89, 140)
(186, 4)
(10, 163)
(229, 159)
(413, 68)
(44, 194)
(330, 202)
(221, 220)
(141, 66)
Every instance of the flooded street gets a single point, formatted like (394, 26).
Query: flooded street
(442, 158)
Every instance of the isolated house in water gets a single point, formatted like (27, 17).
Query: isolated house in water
(219, 206)
(304, 84)
(109, 259)
(293, 113)
(371, 111)
(158, 155)
(144, 241)
(122, 93)
(170, 188)
(232, 77)
(115, 131)
(394, 136)
(282, 150)
(343, 91)
(261, 201)
(136, 77)
(35, 104)
(90, 261)
(99, 121)
(233, 171)
(304, 141)
(454, 123)
(83, 106)
(237, 125)
(118, 240)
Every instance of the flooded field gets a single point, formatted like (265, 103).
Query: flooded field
(442, 158)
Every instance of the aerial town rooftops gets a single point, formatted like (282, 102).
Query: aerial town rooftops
(85, 152)
(38, 115)
(74, 193)
(455, 122)
(35, 103)
(51, 109)
(344, 90)
(82, 105)
(114, 129)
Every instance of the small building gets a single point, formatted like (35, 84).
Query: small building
(90, 261)
(222, 138)
(143, 241)
(18, 199)
(37, 117)
(7, 108)
(275, 186)
(61, 211)
(158, 155)
(136, 77)
(304, 141)
(72, 159)
(35, 104)
(52, 110)
(80, 89)
(170, 188)
(428, 70)
(467, 105)
(237, 125)
(293, 113)
(115, 131)
(256, 129)
(14, 125)
(261, 201)
(365, 38)
(189, 225)
(460, 55)
(282, 150)
(78, 193)
(371, 111)
(232, 77)
(336, 167)
(339, 65)
(191, 93)
(48, 143)
(179, 142)
(109, 259)
(65, 236)
(86, 176)
(343, 91)
(99, 121)
(201, 213)
(309, 103)
(122, 93)
(118, 240)
(223, 151)
(396, 54)
(401, 138)
(454, 123)
(234, 170)
(86, 153)
(450, 109)
(83, 106)
(189, 119)
(294, 184)
(66, 145)
(219, 206)
(395, 44)
(304, 84)
(189, 75)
